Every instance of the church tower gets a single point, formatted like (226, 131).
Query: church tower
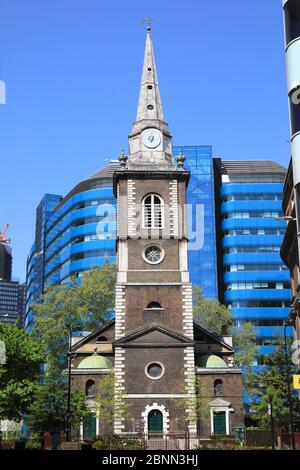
(154, 347)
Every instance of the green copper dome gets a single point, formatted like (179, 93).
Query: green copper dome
(94, 362)
(212, 362)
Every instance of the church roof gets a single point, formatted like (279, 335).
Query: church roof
(95, 334)
(211, 362)
(94, 362)
(147, 329)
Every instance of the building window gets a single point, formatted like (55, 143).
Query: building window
(101, 339)
(155, 370)
(154, 305)
(292, 20)
(152, 210)
(153, 254)
(90, 388)
(218, 388)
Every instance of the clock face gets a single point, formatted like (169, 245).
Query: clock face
(151, 138)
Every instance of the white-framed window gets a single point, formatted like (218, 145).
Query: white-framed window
(153, 211)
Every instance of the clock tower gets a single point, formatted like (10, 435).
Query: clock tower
(154, 344)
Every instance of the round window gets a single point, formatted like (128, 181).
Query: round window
(155, 370)
(153, 254)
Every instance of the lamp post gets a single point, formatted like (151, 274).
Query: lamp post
(288, 323)
(270, 411)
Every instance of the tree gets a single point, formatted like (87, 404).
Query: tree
(49, 407)
(260, 408)
(272, 382)
(20, 371)
(244, 342)
(197, 403)
(213, 316)
(84, 306)
(209, 313)
(112, 402)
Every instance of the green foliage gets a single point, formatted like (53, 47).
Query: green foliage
(99, 445)
(214, 316)
(34, 441)
(197, 403)
(244, 343)
(50, 405)
(111, 404)
(20, 373)
(279, 408)
(272, 383)
(209, 313)
(84, 306)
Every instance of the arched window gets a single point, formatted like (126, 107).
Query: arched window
(101, 339)
(218, 388)
(152, 210)
(154, 305)
(90, 388)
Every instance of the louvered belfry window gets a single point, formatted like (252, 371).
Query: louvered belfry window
(153, 211)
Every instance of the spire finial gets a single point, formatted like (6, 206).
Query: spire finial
(148, 21)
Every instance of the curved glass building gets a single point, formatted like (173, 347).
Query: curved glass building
(81, 233)
(256, 282)
(78, 234)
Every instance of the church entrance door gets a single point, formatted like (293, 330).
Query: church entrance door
(155, 421)
(219, 422)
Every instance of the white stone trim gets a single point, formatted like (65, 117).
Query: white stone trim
(227, 410)
(174, 208)
(163, 370)
(189, 379)
(119, 424)
(131, 209)
(162, 409)
(120, 311)
(187, 310)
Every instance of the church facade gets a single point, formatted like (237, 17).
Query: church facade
(156, 350)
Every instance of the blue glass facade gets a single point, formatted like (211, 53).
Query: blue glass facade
(36, 258)
(73, 234)
(81, 234)
(256, 281)
(203, 262)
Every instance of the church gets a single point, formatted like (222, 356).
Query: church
(154, 347)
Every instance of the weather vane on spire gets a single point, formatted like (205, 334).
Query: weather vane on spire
(148, 21)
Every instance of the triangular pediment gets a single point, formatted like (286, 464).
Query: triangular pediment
(154, 334)
(219, 402)
(202, 335)
(92, 337)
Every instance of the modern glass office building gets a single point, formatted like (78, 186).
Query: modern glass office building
(256, 281)
(12, 300)
(79, 234)
(36, 258)
(201, 194)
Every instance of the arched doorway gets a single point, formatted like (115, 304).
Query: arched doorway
(155, 421)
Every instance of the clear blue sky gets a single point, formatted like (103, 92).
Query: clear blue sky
(72, 70)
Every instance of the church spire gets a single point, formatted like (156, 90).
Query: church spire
(149, 106)
(150, 142)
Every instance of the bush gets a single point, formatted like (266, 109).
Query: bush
(132, 445)
(99, 445)
(34, 441)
